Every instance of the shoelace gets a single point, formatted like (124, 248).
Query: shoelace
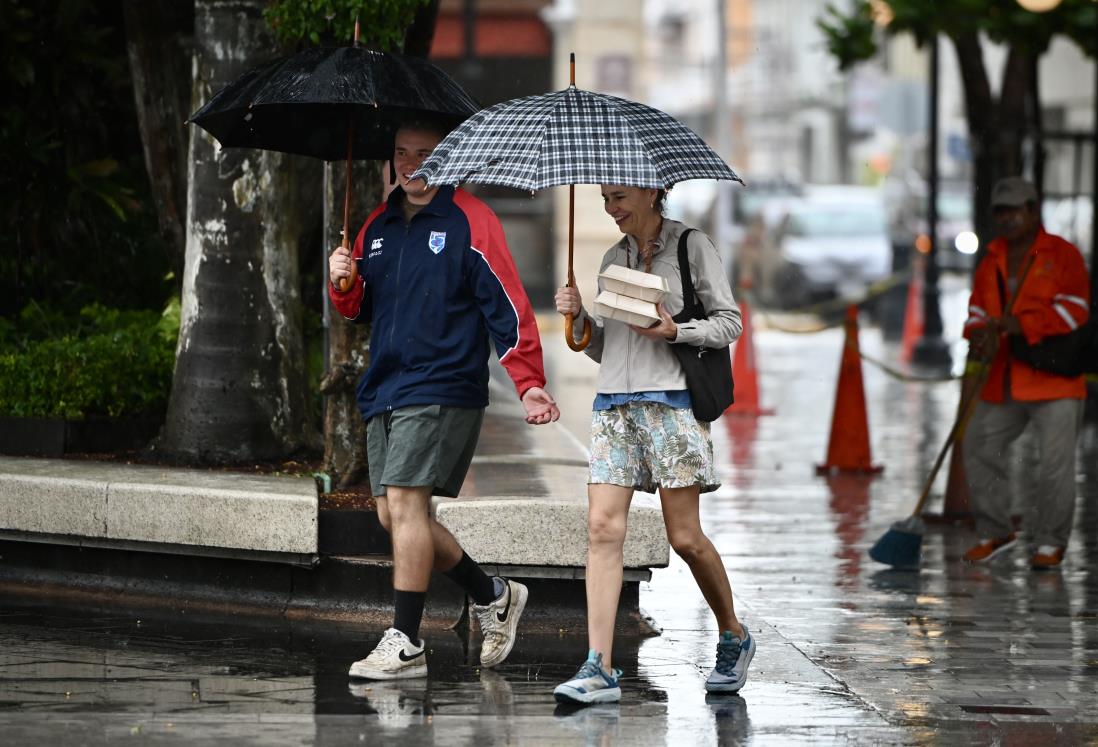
(727, 656)
(589, 669)
(390, 642)
(488, 625)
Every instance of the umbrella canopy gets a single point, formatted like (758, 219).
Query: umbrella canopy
(572, 137)
(303, 104)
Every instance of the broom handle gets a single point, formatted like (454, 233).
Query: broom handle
(968, 406)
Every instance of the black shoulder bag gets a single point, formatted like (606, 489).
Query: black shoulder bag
(708, 370)
(1071, 354)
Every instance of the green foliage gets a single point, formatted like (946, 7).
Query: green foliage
(382, 22)
(852, 38)
(73, 187)
(101, 362)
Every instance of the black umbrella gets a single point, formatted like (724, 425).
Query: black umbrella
(330, 103)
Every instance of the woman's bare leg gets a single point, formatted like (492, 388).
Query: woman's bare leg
(607, 519)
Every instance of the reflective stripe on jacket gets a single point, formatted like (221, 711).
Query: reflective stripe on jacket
(1055, 299)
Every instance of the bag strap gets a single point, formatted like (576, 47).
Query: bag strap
(689, 298)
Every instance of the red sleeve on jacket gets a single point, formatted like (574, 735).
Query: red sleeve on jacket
(981, 308)
(1057, 297)
(349, 302)
(502, 299)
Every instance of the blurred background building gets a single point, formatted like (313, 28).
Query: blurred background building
(792, 120)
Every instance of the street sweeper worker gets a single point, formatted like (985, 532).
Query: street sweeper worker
(437, 282)
(1052, 299)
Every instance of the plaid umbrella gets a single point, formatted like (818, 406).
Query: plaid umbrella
(572, 137)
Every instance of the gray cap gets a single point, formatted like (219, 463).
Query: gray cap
(1012, 191)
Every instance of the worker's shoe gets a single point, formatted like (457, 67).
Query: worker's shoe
(1047, 557)
(987, 549)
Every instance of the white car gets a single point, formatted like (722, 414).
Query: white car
(832, 243)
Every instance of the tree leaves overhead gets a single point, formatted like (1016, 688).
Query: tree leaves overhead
(382, 22)
(853, 35)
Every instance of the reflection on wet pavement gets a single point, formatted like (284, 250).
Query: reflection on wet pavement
(848, 651)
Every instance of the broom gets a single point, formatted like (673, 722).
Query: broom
(902, 545)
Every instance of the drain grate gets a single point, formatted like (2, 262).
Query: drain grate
(1006, 709)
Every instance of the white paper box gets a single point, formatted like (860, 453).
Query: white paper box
(634, 283)
(610, 305)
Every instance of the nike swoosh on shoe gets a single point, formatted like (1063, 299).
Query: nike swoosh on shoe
(502, 616)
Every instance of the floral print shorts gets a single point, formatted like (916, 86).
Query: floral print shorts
(646, 445)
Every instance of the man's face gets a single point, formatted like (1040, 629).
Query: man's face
(1016, 223)
(412, 147)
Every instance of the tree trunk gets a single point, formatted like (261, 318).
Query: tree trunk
(159, 41)
(418, 37)
(348, 343)
(996, 125)
(239, 392)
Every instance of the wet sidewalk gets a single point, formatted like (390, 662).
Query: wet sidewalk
(849, 652)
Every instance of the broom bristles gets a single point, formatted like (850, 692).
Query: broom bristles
(901, 546)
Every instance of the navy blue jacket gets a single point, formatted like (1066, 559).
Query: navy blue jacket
(439, 290)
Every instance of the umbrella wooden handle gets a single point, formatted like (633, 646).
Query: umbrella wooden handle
(585, 341)
(346, 283)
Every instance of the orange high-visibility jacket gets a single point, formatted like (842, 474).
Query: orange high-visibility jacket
(1054, 299)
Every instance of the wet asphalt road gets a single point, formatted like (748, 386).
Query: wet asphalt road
(849, 652)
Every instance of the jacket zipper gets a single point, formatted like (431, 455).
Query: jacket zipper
(396, 299)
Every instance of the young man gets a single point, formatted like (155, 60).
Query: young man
(438, 283)
(1053, 299)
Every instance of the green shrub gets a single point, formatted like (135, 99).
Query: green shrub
(107, 362)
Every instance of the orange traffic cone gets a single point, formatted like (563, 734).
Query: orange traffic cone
(848, 449)
(914, 319)
(744, 373)
(957, 502)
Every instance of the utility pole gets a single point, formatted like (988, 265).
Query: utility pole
(932, 350)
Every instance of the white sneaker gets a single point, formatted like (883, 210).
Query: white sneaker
(499, 621)
(395, 658)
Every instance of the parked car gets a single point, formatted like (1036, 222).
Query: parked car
(956, 243)
(831, 243)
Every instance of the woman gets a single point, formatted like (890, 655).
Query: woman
(645, 436)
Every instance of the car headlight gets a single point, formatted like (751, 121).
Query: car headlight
(967, 242)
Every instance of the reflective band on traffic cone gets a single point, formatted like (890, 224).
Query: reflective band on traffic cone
(848, 449)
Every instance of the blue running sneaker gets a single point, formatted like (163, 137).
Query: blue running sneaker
(592, 684)
(733, 658)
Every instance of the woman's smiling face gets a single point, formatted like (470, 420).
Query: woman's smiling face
(630, 207)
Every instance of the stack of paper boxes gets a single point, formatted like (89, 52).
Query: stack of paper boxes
(630, 295)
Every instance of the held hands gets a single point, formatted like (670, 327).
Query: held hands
(540, 406)
(666, 329)
(339, 265)
(568, 301)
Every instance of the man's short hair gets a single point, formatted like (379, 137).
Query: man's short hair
(1012, 192)
(427, 124)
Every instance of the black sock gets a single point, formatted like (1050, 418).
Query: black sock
(477, 584)
(408, 612)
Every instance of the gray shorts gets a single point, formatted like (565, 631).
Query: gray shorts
(422, 445)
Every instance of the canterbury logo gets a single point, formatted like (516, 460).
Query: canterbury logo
(404, 657)
(502, 616)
